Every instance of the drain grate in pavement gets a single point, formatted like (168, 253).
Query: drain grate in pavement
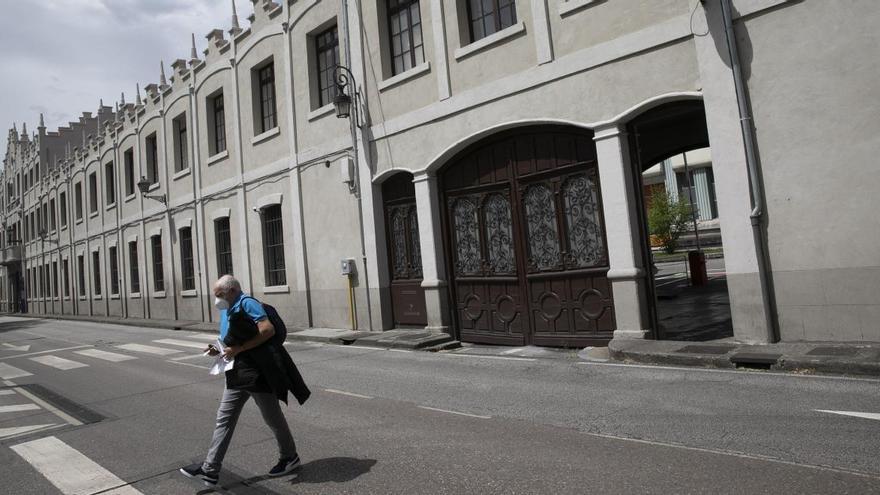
(80, 412)
(705, 349)
(833, 351)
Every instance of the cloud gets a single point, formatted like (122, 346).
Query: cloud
(62, 56)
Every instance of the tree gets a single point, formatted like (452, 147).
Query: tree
(668, 219)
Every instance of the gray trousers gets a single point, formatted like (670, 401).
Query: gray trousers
(227, 416)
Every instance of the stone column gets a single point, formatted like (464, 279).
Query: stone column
(433, 262)
(627, 269)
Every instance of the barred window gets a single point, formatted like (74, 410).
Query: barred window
(96, 272)
(266, 78)
(158, 267)
(152, 153)
(109, 183)
(81, 266)
(114, 270)
(490, 16)
(405, 35)
(223, 242)
(180, 143)
(65, 266)
(133, 267)
(93, 192)
(186, 259)
(54, 279)
(273, 246)
(128, 159)
(219, 124)
(327, 57)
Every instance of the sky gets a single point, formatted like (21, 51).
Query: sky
(61, 57)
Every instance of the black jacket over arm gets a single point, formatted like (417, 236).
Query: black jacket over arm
(266, 366)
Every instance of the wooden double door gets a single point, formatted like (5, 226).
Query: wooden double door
(525, 240)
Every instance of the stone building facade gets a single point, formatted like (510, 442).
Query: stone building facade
(486, 183)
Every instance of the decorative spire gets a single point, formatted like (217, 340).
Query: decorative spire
(162, 80)
(235, 27)
(122, 101)
(24, 129)
(138, 92)
(42, 123)
(101, 103)
(194, 55)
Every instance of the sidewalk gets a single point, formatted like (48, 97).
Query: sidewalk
(389, 339)
(829, 357)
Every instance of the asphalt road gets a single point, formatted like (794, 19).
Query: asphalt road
(383, 421)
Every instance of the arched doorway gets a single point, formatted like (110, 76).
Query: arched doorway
(670, 151)
(525, 240)
(404, 251)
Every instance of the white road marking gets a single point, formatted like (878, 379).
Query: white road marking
(19, 348)
(854, 414)
(148, 349)
(58, 362)
(455, 412)
(515, 350)
(8, 372)
(19, 407)
(774, 374)
(68, 469)
(182, 343)
(49, 407)
(203, 336)
(191, 356)
(202, 367)
(7, 392)
(508, 358)
(106, 356)
(17, 431)
(399, 350)
(5, 358)
(350, 394)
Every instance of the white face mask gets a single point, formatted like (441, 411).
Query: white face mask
(221, 304)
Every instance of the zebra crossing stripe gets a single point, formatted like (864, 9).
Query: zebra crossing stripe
(148, 349)
(17, 431)
(19, 407)
(58, 362)
(8, 372)
(69, 470)
(106, 356)
(182, 343)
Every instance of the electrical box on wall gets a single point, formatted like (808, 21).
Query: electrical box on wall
(346, 169)
(347, 267)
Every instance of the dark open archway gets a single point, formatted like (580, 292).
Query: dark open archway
(681, 306)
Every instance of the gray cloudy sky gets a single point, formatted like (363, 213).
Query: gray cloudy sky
(60, 57)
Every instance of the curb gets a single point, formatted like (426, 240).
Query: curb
(740, 357)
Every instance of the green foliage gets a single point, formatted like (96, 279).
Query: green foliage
(668, 219)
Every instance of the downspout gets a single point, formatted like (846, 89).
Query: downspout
(748, 134)
(354, 148)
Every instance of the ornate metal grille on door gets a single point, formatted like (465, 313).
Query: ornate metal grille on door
(525, 235)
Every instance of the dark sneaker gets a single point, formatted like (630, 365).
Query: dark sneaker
(196, 471)
(285, 466)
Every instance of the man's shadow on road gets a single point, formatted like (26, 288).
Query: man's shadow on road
(332, 469)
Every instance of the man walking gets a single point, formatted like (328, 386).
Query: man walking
(258, 372)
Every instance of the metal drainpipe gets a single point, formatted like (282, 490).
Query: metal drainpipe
(757, 215)
(354, 148)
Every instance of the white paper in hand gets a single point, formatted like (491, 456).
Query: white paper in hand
(221, 365)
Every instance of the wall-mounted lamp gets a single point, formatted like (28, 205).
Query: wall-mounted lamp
(144, 187)
(346, 104)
